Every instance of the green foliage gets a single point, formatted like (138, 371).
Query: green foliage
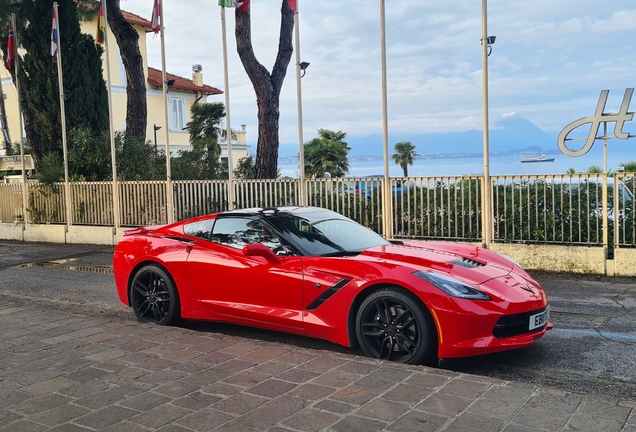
(88, 155)
(628, 167)
(202, 162)
(85, 97)
(327, 154)
(439, 210)
(14, 149)
(404, 155)
(137, 160)
(245, 168)
(51, 169)
(7, 7)
(205, 125)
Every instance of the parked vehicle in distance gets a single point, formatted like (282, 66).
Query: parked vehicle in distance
(368, 187)
(313, 272)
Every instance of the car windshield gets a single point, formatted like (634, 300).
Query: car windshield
(319, 232)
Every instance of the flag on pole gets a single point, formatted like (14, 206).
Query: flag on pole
(54, 37)
(292, 4)
(10, 47)
(244, 6)
(230, 3)
(101, 26)
(156, 13)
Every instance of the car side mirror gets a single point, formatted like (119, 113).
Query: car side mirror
(259, 249)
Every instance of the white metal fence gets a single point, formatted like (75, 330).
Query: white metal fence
(564, 209)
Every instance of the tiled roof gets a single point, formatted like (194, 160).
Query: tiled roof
(137, 20)
(180, 83)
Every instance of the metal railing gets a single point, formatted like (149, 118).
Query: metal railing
(10, 202)
(548, 208)
(562, 209)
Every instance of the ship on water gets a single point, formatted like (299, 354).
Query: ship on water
(541, 158)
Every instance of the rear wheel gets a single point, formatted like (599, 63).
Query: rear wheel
(154, 297)
(390, 325)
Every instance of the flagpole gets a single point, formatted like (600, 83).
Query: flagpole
(487, 222)
(301, 147)
(115, 187)
(169, 199)
(228, 134)
(25, 192)
(67, 186)
(387, 213)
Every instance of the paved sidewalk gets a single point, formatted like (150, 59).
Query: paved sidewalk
(64, 371)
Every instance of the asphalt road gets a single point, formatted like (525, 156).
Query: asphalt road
(591, 350)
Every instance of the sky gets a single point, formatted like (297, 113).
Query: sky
(550, 61)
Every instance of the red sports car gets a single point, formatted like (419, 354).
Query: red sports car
(311, 271)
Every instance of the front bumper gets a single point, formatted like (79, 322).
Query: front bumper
(469, 328)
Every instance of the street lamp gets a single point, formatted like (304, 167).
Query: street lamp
(486, 49)
(490, 41)
(303, 67)
(156, 129)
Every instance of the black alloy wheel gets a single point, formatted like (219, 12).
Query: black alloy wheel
(391, 325)
(153, 296)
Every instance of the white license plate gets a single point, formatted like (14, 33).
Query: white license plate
(539, 320)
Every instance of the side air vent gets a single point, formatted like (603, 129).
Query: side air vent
(467, 262)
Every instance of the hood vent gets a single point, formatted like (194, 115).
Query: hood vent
(467, 262)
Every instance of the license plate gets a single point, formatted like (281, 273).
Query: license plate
(539, 320)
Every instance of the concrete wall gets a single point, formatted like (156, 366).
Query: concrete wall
(567, 259)
(624, 262)
(555, 258)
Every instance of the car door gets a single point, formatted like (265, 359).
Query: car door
(247, 289)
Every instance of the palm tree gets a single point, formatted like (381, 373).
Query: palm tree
(628, 167)
(327, 154)
(570, 171)
(202, 162)
(205, 125)
(404, 155)
(595, 169)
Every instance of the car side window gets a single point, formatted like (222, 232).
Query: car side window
(201, 229)
(237, 232)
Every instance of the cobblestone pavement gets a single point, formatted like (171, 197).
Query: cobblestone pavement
(64, 371)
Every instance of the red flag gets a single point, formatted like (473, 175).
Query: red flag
(10, 47)
(244, 6)
(292, 4)
(156, 13)
(99, 36)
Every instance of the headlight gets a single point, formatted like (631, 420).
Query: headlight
(451, 286)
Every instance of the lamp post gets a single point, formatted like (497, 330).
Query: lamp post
(301, 69)
(156, 128)
(486, 49)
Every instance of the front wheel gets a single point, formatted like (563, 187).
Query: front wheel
(390, 325)
(154, 297)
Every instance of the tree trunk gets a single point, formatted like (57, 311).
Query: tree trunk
(266, 86)
(128, 41)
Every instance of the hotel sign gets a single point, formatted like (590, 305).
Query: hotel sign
(14, 163)
(599, 117)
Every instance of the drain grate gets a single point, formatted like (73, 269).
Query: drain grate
(570, 319)
(80, 268)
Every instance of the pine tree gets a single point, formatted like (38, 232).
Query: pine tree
(85, 96)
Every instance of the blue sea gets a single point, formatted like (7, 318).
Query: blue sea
(503, 165)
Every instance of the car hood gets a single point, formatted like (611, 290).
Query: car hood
(469, 263)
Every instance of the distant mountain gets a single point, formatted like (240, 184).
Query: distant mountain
(509, 134)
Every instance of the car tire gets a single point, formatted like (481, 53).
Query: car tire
(154, 297)
(392, 325)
